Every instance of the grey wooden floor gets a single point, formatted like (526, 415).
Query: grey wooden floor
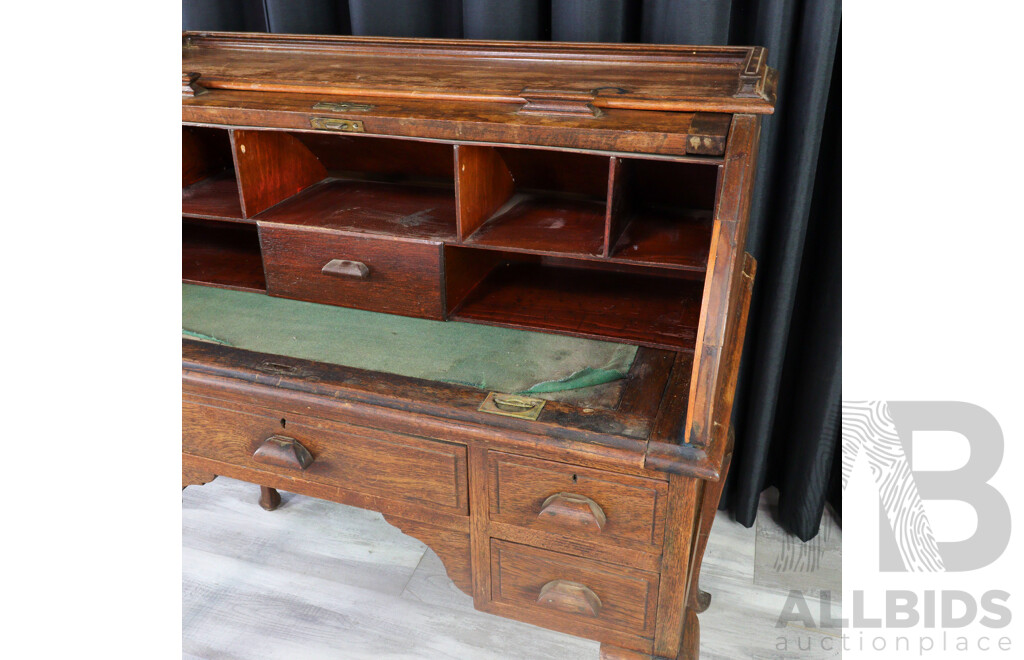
(321, 580)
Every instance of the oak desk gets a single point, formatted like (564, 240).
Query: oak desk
(496, 291)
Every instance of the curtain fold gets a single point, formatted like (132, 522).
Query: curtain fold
(698, 22)
(615, 21)
(404, 18)
(786, 415)
(307, 17)
(522, 20)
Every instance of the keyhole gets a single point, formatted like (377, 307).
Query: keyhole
(282, 422)
(574, 478)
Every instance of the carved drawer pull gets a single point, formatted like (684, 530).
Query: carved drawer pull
(346, 268)
(279, 451)
(575, 510)
(571, 597)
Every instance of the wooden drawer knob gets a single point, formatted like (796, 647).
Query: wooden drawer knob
(279, 451)
(574, 510)
(345, 268)
(571, 597)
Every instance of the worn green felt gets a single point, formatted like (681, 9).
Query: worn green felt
(489, 358)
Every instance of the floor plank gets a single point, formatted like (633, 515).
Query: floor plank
(321, 580)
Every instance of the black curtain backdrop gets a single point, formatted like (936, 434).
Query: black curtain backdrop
(787, 407)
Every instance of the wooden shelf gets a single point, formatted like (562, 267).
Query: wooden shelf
(208, 186)
(667, 238)
(405, 209)
(636, 309)
(541, 202)
(545, 224)
(214, 198)
(222, 254)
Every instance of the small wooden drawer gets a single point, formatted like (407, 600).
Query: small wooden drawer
(350, 270)
(386, 465)
(570, 592)
(594, 505)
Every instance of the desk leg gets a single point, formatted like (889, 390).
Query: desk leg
(700, 600)
(269, 498)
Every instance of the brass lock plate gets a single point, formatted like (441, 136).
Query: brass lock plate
(335, 124)
(512, 405)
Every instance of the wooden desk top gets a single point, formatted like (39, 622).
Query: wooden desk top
(648, 77)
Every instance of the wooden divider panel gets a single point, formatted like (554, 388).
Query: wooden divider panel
(482, 184)
(271, 167)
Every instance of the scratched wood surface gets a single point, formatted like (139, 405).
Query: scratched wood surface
(321, 580)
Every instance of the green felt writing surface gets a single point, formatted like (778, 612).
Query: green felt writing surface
(485, 357)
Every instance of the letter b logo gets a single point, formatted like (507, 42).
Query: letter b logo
(883, 431)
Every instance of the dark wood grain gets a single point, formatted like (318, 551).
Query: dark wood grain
(581, 189)
(209, 188)
(389, 465)
(598, 438)
(381, 159)
(615, 207)
(684, 500)
(404, 210)
(675, 78)
(269, 499)
(221, 254)
(192, 476)
(272, 166)
(537, 537)
(691, 638)
(615, 132)
(646, 381)
(483, 184)
(650, 311)
(480, 536)
(708, 131)
(464, 269)
(452, 547)
(724, 274)
(545, 224)
(668, 421)
(634, 508)
(664, 213)
(666, 237)
(404, 277)
(547, 202)
(558, 172)
(698, 600)
(628, 596)
(215, 197)
(204, 152)
(385, 505)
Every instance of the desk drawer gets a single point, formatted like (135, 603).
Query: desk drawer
(598, 506)
(358, 459)
(337, 268)
(571, 591)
